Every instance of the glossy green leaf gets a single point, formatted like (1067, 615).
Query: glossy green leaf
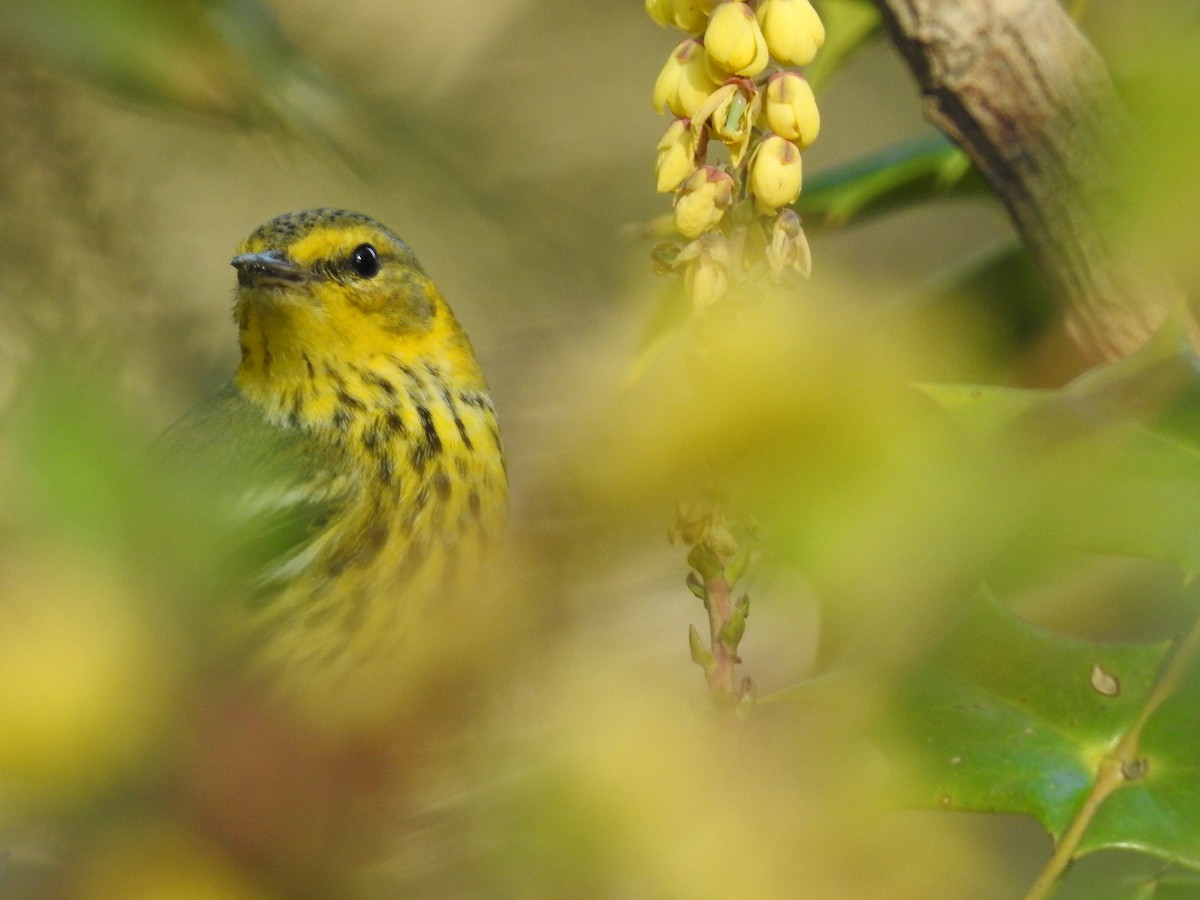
(1008, 717)
(1159, 812)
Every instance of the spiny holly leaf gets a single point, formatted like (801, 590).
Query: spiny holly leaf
(1008, 717)
(1109, 463)
(1158, 810)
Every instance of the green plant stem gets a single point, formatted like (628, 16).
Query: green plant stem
(1113, 768)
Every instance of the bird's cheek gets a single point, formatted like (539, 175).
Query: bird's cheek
(363, 299)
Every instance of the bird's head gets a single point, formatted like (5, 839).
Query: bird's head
(330, 286)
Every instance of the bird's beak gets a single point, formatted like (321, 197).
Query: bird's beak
(271, 267)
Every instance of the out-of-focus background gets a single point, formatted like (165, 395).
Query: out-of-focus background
(509, 143)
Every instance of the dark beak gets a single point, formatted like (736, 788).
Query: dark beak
(269, 267)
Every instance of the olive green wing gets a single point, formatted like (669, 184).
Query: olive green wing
(277, 486)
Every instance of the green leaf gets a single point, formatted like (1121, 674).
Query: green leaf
(895, 178)
(1111, 462)
(1169, 887)
(734, 627)
(702, 560)
(982, 410)
(1159, 813)
(1008, 717)
(701, 655)
(737, 566)
(1156, 387)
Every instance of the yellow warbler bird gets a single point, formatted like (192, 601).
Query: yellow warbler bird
(363, 423)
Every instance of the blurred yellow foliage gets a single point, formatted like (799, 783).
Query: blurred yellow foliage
(161, 860)
(86, 679)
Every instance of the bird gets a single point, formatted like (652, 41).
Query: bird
(370, 465)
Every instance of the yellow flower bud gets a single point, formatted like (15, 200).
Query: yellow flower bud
(793, 30)
(661, 11)
(730, 112)
(775, 173)
(707, 263)
(686, 14)
(791, 109)
(690, 15)
(734, 41)
(683, 84)
(676, 155)
(788, 248)
(702, 201)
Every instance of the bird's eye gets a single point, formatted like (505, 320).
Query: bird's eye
(365, 260)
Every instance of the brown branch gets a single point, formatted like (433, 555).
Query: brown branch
(1025, 94)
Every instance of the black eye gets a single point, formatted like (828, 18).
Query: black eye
(365, 260)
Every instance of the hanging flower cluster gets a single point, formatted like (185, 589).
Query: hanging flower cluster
(727, 83)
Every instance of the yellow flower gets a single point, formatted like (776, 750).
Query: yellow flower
(793, 30)
(734, 41)
(730, 113)
(359, 413)
(676, 155)
(684, 82)
(775, 173)
(686, 14)
(791, 109)
(707, 262)
(702, 201)
(661, 11)
(788, 247)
